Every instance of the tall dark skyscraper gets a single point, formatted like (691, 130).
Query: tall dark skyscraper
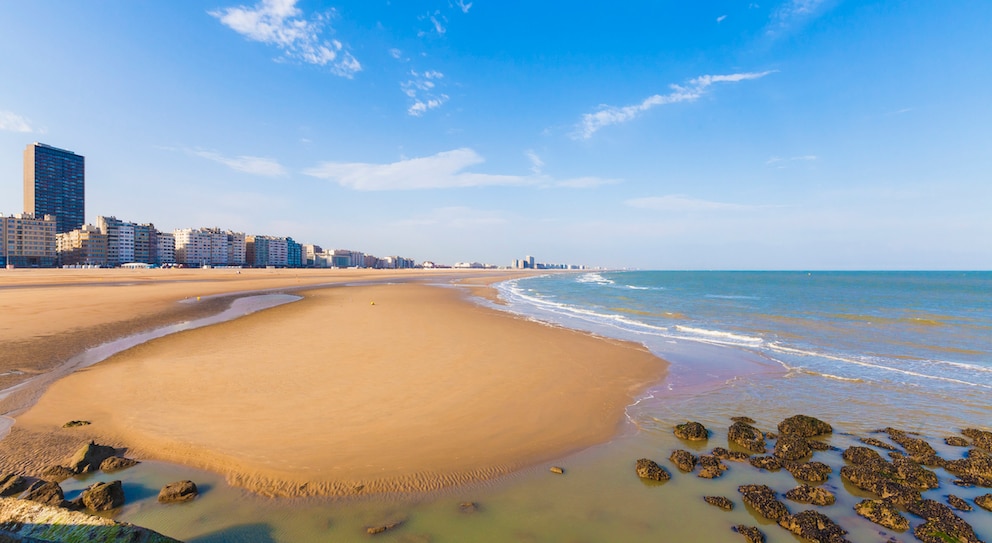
(55, 184)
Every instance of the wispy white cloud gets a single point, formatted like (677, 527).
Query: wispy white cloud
(247, 164)
(442, 170)
(12, 122)
(682, 203)
(437, 22)
(282, 24)
(536, 164)
(423, 92)
(445, 170)
(795, 12)
(464, 6)
(803, 158)
(690, 91)
(396, 53)
(721, 18)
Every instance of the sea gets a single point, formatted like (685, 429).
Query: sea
(860, 350)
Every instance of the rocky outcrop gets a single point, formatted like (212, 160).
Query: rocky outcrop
(814, 526)
(863, 456)
(719, 501)
(804, 426)
(116, 463)
(57, 474)
(745, 420)
(941, 525)
(763, 499)
(872, 481)
(815, 495)
(981, 438)
(751, 534)
(378, 529)
(955, 441)
(650, 470)
(89, 457)
(746, 436)
(12, 484)
(103, 496)
(691, 431)
(684, 460)
(180, 491)
(984, 501)
(75, 423)
(46, 492)
(812, 472)
(882, 513)
(792, 448)
(711, 467)
(769, 463)
(22, 520)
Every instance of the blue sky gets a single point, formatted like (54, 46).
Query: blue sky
(798, 134)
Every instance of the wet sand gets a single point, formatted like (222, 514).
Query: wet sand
(335, 395)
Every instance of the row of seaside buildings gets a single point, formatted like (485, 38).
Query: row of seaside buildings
(50, 233)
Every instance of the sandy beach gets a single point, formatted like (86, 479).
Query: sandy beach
(396, 387)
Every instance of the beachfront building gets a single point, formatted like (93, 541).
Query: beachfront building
(278, 252)
(309, 257)
(294, 254)
(192, 247)
(27, 241)
(54, 184)
(165, 248)
(144, 243)
(235, 248)
(120, 240)
(86, 246)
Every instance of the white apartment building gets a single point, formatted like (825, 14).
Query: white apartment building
(192, 247)
(27, 241)
(236, 248)
(165, 248)
(278, 252)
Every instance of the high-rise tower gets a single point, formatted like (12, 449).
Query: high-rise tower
(54, 184)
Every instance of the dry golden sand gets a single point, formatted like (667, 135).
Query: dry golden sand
(419, 391)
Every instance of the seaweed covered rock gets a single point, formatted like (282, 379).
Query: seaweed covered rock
(89, 457)
(745, 420)
(719, 501)
(917, 449)
(955, 441)
(815, 495)
(981, 438)
(691, 431)
(746, 436)
(861, 456)
(711, 467)
(941, 525)
(751, 534)
(814, 526)
(975, 469)
(650, 470)
(180, 491)
(914, 475)
(882, 513)
(877, 443)
(984, 501)
(958, 503)
(869, 480)
(804, 426)
(12, 484)
(684, 460)
(733, 456)
(813, 472)
(103, 496)
(769, 463)
(763, 499)
(792, 448)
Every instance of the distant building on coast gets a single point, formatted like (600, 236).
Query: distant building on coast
(27, 241)
(55, 184)
(86, 246)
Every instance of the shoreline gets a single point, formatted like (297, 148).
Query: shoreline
(548, 439)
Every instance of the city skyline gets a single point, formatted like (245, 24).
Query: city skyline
(793, 134)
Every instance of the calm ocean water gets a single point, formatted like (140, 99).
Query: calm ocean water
(920, 340)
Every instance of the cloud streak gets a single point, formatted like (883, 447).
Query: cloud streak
(422, 90)
(688, 92)
(254, 165)
(12, 122)
(444, 170)
(281, 23)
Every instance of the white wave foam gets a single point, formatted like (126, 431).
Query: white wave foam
(731, 297)
(594, 278)
(719, 335)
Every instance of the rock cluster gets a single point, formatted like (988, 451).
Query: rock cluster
(711, 467)
(941, 525)
(981, 438)
(814, 526)
(816, 495)
(804, 426)
(763, 499)
(180, 491)
(684, 460)
(751, 534)
(103, 496)
(883, 513)
(746, 436)
(812, 472)
(691, 431)
(719, 501)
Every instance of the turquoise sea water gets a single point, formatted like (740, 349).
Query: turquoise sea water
(860, 350)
